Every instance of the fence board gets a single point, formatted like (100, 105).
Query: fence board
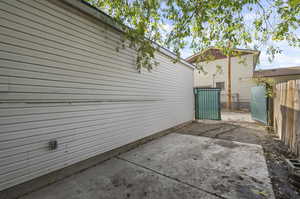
(287, 113)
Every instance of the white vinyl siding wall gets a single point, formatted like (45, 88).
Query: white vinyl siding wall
(62, 78)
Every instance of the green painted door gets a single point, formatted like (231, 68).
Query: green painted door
(259, 104)
(207, 103)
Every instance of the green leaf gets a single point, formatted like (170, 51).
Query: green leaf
(199, 24)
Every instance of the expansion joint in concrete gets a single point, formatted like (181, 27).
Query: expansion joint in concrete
(170, 177)
(206, 131)
(223, 132)
(210, 130)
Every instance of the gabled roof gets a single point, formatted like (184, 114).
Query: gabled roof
(216, 53)
(278, 72)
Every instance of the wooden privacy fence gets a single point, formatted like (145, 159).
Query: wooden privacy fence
(287, 113)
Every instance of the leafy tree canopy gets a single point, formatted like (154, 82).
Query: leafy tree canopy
(199, 24)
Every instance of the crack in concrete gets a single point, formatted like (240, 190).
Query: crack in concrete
(206, 131)
(170, 177)
(223, 132)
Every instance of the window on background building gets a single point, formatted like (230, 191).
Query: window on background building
(220, 85)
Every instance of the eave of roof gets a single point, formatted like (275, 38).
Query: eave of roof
(85, 7)
(278, 72)
(219, 55)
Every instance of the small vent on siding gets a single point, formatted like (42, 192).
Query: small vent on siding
(52, 144)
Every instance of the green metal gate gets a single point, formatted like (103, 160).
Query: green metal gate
(207, 103)
(259, 104)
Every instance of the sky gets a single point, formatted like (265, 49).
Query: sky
(289, 57)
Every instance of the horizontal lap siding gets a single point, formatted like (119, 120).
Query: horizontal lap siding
(62, 77)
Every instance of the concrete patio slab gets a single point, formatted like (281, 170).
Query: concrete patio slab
(237, 116)
(118, 179)
(174, 166)
(226, 168)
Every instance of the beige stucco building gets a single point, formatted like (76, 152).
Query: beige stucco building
(215, 74)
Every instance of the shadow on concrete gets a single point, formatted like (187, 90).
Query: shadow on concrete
(240, 132)
(274, 150)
